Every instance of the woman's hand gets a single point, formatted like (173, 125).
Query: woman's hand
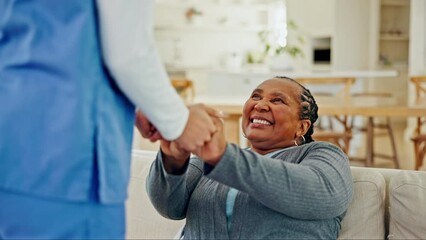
(213, 150)
(174, 157)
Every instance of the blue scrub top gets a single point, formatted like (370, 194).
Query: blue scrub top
(65, 127)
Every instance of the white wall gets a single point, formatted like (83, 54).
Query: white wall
(315, 21)
(350, 48)
(225, 27)
(418, 38)
(203, 48)
(315, 17)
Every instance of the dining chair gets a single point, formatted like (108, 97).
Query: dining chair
(185, 88)
(376, 124)
(337, 88)
(419, 136)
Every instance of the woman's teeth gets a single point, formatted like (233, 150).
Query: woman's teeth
(259, 121)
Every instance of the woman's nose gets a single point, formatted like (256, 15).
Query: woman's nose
(261, 106)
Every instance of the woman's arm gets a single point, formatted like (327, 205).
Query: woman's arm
(317, 188)
(170, 193)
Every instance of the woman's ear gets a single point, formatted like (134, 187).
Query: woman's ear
(304, 126)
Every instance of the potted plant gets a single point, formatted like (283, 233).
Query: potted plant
(193, 15)
(281, 54)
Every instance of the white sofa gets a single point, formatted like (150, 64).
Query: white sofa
(388, 203)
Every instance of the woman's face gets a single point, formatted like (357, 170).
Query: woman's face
(271, 116)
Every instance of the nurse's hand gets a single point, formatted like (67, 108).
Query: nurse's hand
(146, 128)
(200, 127)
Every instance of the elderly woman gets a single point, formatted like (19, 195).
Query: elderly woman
(285, 186)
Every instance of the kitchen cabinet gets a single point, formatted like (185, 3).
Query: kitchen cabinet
(225, 86)
(392, 49)
(394, 31)
(374, 35)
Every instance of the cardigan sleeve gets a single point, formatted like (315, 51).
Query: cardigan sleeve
(170, 193)
(318, 187)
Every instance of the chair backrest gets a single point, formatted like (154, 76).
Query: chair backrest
(334, 129)
(330, 86)
(420, 86)
(185, 89)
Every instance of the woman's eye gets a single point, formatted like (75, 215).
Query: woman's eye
(277, 100)
(255, 97)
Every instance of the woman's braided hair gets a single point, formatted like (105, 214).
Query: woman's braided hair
(308, 108)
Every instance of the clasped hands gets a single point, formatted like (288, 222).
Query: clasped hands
(202, 136)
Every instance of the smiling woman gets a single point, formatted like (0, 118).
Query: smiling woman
(272, 116)
(298, 187)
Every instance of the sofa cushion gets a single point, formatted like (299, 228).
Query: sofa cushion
(142, 220)
(365, 216)
(407, 199)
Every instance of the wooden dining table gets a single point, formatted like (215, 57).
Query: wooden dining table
(367, 108)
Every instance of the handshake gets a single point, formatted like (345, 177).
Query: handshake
(202, 136)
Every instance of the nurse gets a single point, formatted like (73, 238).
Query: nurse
(71, 74)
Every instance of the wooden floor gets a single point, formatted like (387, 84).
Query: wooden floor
(382, 145)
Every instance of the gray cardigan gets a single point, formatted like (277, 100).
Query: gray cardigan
(303, 192)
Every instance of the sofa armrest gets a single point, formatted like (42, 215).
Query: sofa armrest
(364, 218)
(407, 211)
(142, 220)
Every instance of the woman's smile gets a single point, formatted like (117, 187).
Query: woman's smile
(257, 122)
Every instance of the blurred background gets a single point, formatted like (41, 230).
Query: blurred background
(226, 47)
